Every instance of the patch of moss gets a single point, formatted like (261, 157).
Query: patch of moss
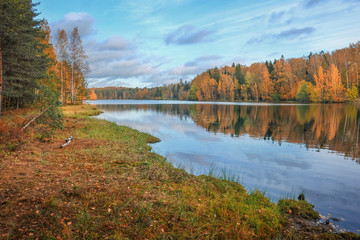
(301, 208)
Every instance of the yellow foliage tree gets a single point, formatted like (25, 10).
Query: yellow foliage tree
(92, 95)
(268, 86)
(320, 86)
(333, 82)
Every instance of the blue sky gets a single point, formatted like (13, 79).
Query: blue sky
(142, 43)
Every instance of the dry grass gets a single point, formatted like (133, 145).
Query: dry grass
(108, 185)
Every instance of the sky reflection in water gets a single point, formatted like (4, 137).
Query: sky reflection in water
(281, 149)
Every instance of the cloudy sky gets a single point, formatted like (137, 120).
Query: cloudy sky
(143, 43)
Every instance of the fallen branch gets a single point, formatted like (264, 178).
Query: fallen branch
(28, 124)
(67, 142)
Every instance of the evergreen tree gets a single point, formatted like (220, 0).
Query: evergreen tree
(23, 59)
(270, 66)
(240, 80)
(1, 78)
(216, 74)
(239, 75)
(48, 94)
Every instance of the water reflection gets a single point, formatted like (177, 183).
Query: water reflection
(332, 126)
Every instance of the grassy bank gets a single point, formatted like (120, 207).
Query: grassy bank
(107, 184)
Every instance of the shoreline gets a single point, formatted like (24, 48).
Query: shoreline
(107, 183)
(261, 103)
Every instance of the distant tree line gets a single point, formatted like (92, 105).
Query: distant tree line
(32, 71)
(177, 91)
(321, 77)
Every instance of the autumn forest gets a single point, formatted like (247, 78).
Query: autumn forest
(35, 68)
(321, 77)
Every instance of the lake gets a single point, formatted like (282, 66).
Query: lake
(282, 149)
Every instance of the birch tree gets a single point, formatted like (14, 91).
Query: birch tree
(62, 47)
(79, 64)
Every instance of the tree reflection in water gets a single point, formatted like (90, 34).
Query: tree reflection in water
(321, 126)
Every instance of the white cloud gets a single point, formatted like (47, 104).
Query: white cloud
(117, 58)
(121, 68)
(84, 21)
(293, 33)
(115, 43)
(196, 66)
(188, 34)
(183, 70)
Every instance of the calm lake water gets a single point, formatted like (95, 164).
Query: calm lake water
(282, 149)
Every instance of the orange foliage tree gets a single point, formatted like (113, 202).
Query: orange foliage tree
(320, 85)
(335, 88)
(267, 86)
(285, 81)
(92, 95)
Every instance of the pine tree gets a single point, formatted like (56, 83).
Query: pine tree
(48, 94)
(240, 80)
(1, 78)
(23, 59)
(216, 74)
(239, 75)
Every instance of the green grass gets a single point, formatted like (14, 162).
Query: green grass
(168, 202)
(80, 111)
(300, 208)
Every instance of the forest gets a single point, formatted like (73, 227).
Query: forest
(321, 77)
(37, 71)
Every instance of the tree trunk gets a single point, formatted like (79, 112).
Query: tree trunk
(357, 76)
(75, 90)
(347, 78)
(1, 78)
(62, 82)
(72, 83)
(33, 119)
